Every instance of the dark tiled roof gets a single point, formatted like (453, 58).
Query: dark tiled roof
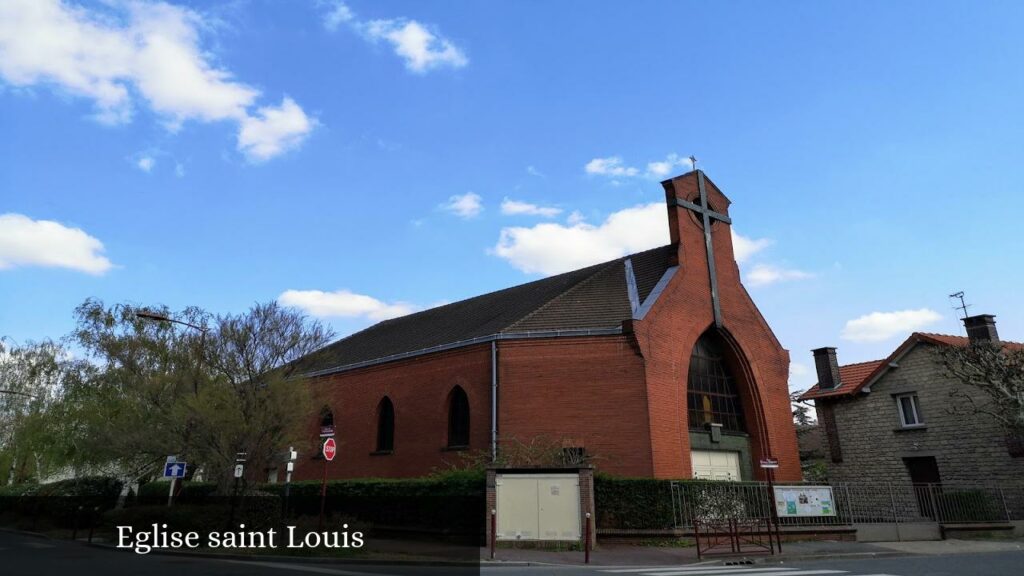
(589, 298)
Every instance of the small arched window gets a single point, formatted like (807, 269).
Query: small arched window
(326, 421)
(385, 425)
(458, 418)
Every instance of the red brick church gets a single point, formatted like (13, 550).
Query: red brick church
(657, 364)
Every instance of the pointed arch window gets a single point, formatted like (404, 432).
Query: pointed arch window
(385, 425)
(458, 418)
(712, 394)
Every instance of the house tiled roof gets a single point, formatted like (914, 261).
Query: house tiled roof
(854, 377)
(595, 297)
(850, 378)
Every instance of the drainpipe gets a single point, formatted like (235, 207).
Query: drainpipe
(494, 400)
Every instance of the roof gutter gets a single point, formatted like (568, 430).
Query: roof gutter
(528, 335)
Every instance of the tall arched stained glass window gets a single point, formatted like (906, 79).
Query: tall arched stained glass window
(712, 395)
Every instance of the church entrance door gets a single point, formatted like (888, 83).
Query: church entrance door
(713, 465)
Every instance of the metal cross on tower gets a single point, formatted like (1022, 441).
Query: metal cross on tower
(706, 214)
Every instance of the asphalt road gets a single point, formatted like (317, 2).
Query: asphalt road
(988, 564)
(22, 555)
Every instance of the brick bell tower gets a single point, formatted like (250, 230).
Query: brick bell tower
(716, 422)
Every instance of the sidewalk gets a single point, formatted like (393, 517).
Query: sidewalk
(626, 555)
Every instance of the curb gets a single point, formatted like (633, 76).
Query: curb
(283, 559)
(25, 533)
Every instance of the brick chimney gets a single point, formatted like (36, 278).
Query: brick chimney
(981, 328)
(827, 365)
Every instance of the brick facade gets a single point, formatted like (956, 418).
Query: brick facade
(968, 450)
(622, 397)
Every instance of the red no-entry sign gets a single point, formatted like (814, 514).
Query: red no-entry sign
(330, 449)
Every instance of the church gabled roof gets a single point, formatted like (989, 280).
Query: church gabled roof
(595, 299)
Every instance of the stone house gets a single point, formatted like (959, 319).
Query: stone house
(893, 420)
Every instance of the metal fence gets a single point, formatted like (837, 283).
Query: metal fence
(853, 503)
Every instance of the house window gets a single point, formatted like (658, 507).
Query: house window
(385, 426)
(910, 414)
(712, 394)
(458, 418)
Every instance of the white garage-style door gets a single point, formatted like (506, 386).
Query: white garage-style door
(538, 506)
(711, 465)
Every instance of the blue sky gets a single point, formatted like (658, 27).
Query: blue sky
(365, 159)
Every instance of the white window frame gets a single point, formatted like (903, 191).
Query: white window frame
(915, 405)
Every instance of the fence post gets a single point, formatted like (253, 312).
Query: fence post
(586, 546)
(935, 503)
(494, 531)
(892, 502)
(92, 521)
(1002, 498)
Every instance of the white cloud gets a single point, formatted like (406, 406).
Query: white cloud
(743, 247)
(146, 163)
(468, 205)
(661, 168)
(121, 55)
(343, 304)
(551, 248)
(421, 49)
(764, 274)
(337, 13)
(516, 208)
(420, 45)
(615, 167)
(878, 326)
(28, 242)
(179, 170)
(610, 166)
(274, 130)
(532, 171)
(797, 369)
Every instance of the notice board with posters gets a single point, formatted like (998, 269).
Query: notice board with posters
(804, 501)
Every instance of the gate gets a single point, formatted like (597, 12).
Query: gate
(726, 517)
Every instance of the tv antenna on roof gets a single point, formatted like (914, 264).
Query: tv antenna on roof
(963, 305)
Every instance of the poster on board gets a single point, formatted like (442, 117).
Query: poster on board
(804, 501)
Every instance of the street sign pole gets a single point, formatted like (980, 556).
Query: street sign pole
(769, 465)
(239, 470)
(329, 450)
(292, 456)
(170, 494)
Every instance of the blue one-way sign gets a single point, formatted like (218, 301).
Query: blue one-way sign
(174, 470)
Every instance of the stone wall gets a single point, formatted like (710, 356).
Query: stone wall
(969, 450)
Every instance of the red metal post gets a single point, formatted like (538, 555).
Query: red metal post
(586, 544)
(323, 495)
(494, 531)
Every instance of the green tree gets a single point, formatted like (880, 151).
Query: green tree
(202, 394)
(32, 380)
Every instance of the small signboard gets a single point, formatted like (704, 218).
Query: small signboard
(238, 470)
(327, 431)
(804, 501)
(770, 463)
(175, 469)
(330, 449)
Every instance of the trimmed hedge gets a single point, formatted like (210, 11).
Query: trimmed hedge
(188, 492)
(61, 503)
(633, 503)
